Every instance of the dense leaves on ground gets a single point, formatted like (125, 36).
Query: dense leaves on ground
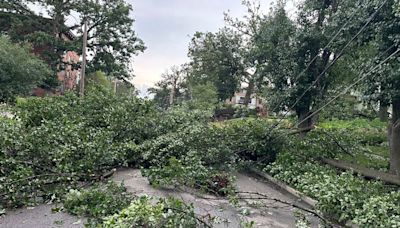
(56, 144)
(98, 201)
(109, 205)
(344, 196)
(168, 213)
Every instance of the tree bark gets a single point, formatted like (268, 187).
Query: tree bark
(394, 134)
(249, 92)
(172, 95)
(383, 112)
(302, 114)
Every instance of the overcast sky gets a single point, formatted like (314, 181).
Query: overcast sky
(167, 26)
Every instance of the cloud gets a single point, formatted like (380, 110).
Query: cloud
(166, 28)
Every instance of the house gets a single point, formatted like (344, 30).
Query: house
(239, 97)
(69, 76)
(256, 102)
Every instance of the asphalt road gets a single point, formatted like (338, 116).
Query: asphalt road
(264, 213)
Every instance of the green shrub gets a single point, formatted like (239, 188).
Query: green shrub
(165, 213)
(242, 112)
(98, 201)
(367, 132)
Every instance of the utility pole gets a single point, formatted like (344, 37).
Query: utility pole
(83, 67)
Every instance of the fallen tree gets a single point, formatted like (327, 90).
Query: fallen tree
(368, 173)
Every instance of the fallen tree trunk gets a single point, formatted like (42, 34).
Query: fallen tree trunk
(368, 173)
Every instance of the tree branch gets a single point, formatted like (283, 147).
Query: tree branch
(263, 196)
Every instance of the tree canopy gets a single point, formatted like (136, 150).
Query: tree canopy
(112, 42)
(20, 71)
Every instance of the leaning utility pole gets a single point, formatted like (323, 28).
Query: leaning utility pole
(83, 67)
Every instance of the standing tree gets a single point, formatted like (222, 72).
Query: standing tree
(384, 84)
(112, 41)
(204, 97)
(172, 88)
(248, 29)
(298, 58)
(20, 71)
(276, 53)
(215, 58)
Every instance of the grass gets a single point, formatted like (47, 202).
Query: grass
(370, 137)
(353, 124)
(366, 160)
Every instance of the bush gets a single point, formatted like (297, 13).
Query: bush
(97, 201)
(165, 213)
(367, 132)
(20, 70)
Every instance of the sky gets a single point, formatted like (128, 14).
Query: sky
(166, 27)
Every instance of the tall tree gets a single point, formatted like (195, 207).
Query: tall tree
(112, 42)
(214, 58)
(275, 48)
(384, 84)
(248, 28)
(300, 67)
(172, 88)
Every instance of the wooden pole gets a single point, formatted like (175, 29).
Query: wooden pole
(83, 67)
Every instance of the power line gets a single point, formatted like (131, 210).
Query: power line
(342, 93)
(340, 54)
(331, 64)
(348, 88)
(316, 56)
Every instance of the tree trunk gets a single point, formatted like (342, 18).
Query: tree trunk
(249, 92)
(394, 134)
(383, 112)
(172, 96)
(302, 114)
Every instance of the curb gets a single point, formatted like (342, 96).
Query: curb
(309, 201)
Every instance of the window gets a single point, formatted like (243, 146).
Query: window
(241, 100)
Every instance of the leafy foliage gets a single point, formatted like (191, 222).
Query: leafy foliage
(20, 71)
(111, 38)
(97, 201)
(56, 143)
(143, 212)
(344, 197)
(215, 59)
(204, 155)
